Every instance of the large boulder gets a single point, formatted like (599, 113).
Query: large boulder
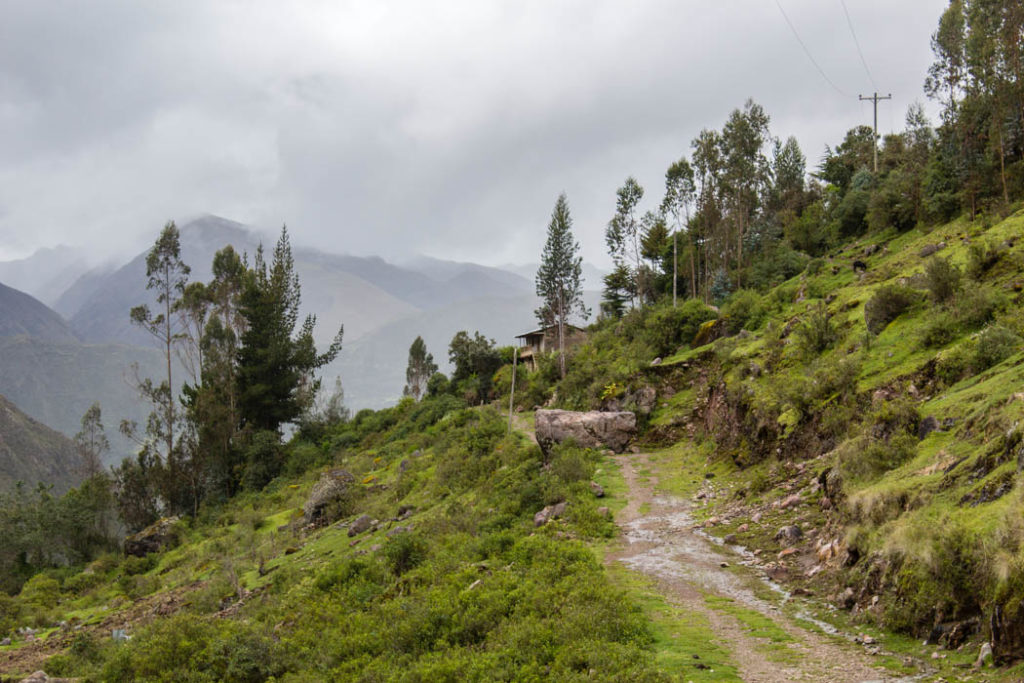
(590, 430)
(332, 486)
(154, 538)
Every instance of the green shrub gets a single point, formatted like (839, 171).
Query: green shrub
(977, 306)
(887, 304)
(938, 330)
(981, 257)
(41, 591)
(817, 332)
(744, 310)
(995, 344)
(953, 364)
(139, 565)
(865, 459)
(571, 464)
(405, 551)
(942, 279)
(668, 328)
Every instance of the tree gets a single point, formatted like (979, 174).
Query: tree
(167, 275)
(559, 278)
(92, 442)
(680, 193)
(421, 366)
(474, 358)
(277, 358)
(622, 235)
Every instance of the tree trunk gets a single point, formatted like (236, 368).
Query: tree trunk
(675, 266)
(561, 331)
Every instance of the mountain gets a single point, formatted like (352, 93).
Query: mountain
(52, 376)
(22, 315)
(46, 274)
(31, 452)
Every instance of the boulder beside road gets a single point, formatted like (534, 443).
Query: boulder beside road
(593, 429)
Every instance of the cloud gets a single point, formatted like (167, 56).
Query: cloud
(401, 127)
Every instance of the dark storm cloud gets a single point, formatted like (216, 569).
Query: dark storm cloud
(444, 128)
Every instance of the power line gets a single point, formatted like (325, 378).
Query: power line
(808, 52)
(849, 22)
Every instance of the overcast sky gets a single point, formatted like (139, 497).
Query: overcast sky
(395, 128)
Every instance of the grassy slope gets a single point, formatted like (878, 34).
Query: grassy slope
(472, 591)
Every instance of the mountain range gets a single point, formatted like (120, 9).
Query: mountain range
(31, 452)
(56, 361)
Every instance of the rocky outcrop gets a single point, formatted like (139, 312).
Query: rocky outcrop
(331, 487)
(154, 538)
(590, 430)
(548, 513)
(1007, 634)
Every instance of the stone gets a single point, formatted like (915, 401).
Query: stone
(743, 528)
(729, 539)
(1007, 634)
(927, 250)
(329, 488)
(847, 599)
(927, 426)
(656, 362)
(645, 399)
(985, 656)
(361, 524)
(591, 429)
(548, 513)
(405, 511)
(776, 572)
(790, 501)
(398, 530)
(597, 489)
(756, 517)
(154, 538)
(603, 511)
(787, 552)
(403, 466)
(788, 535)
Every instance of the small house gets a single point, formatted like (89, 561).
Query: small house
(545, 340)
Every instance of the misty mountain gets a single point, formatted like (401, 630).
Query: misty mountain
(372, 369)
(23, 315)
(31, 452)
(46, 274)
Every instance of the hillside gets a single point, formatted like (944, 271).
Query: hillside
(22, 315)
(32, 453)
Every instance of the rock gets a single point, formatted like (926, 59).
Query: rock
(787, 552)
(847, 599)
(548, 513)
(604, 512)
(743, 528)
(398, 530)
(597, 489)
(362, 523)
(656, 362)
(927, 250)
(403, 466)
(723, 565)
(756, 517)
(41, 677)
(790, 501)
(1007, 634)
(729, 539)
(154, 538)
(776, 572)
(645, 399)
(590, 429)
(788, 535)
(985, 656)
(329, 488)
(405, 511)
(927, 426)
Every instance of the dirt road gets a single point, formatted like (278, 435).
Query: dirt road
(659, 541)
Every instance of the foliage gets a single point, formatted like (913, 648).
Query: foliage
(888, 303)
(816, 332)
(419, 370)
(667, 328)
(476, 360)
(942, 279)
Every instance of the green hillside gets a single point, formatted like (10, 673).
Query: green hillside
(31, 453)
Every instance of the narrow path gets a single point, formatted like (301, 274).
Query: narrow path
(658, 540)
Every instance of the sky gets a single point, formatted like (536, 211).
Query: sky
(400, 128)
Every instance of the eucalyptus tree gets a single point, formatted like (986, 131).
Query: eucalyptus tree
(622, 235)
(680, 193)
(420, 368)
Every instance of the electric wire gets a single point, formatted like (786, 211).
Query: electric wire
(849, 22)
(808, 52)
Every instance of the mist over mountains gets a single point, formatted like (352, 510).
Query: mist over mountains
(56, 361)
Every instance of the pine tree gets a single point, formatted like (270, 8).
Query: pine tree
(421, 366)
(559, 278)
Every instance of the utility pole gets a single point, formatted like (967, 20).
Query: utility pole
(874, 99)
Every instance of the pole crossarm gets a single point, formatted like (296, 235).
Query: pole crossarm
(874, 100)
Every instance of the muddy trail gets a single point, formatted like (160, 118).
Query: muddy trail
(659, 541)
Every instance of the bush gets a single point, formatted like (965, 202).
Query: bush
(668, 328)
(816, 333)
(405, 551)
(952, 364)
(981, 257)
(942, 279)
(744, 310)
(263, 459)
(888, 303)
(865, 458)
(939, 330)
(995, 345)
(977, 307)
(41, 591)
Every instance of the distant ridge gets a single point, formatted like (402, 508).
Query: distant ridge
(23, 315)
(31, 452)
